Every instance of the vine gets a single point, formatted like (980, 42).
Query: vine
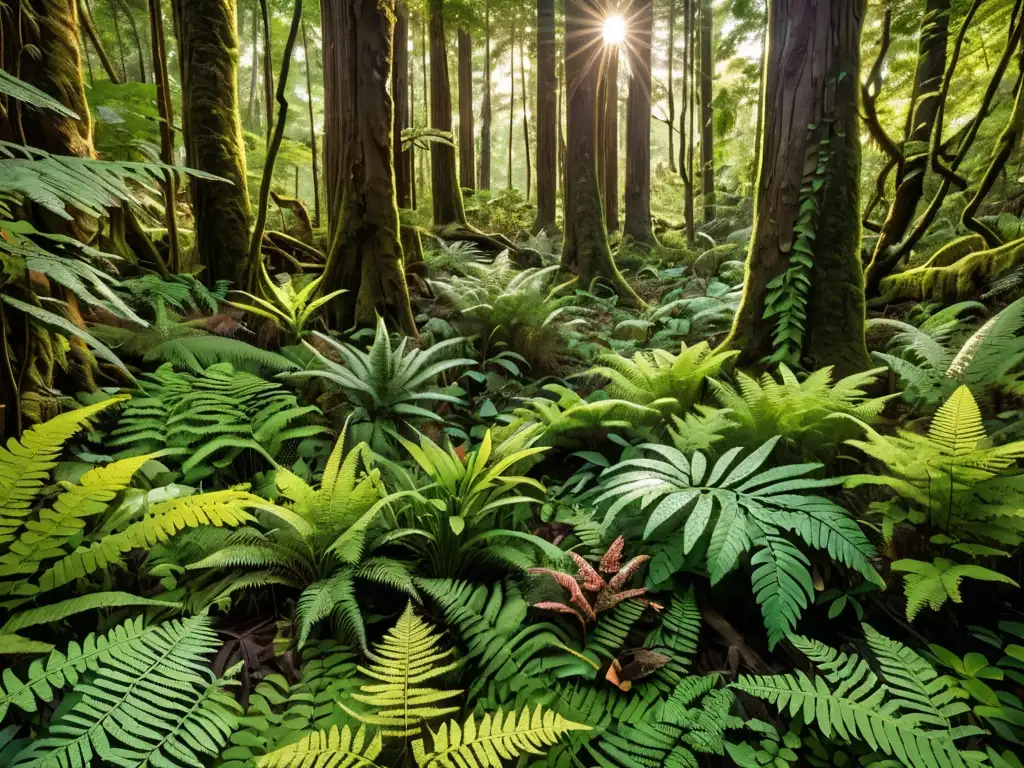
(786, 299)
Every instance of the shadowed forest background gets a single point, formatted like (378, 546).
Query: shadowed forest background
(479, 383)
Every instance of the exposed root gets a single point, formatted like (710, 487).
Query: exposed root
(960, 280)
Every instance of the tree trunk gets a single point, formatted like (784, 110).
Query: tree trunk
(365, 255)
(803, 299)
(448, 207)
(585, 247)
(484, 168)
(136, 38)
(707, 115)
(466, 149)
(560, 122)
(85, 14)
(163, 100)
(426, 94)
(308, 61)
(931, 65)
(252, 115)
(759, 115)
(637, 223)
(608, 135)
(547, 92)
(526, 111)
(671, 83)
(268, 70)
(511, 104)
(208, 56)
(400, 94)
(112, 5)
(689, 113)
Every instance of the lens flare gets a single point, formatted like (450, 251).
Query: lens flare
(614, 30)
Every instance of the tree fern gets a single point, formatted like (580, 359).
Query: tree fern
(496, 737)
(401, 664)
(908, 713)
(732, 507)
(155, 701)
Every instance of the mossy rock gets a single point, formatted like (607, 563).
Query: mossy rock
(740, 236)
(709, 262)
(731, 272)
(960, 280)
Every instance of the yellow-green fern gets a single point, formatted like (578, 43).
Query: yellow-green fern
(496, 737)
(403, 664)
(336, 748)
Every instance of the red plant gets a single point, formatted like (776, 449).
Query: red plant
(589, 593)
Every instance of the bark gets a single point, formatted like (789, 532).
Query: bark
(931, 64)
(547, 94)
(208, 56)
(112, 4)
(686, 121)
(252, 116)
(511, 104)
(637, 222)
(85, 14)
(608, 135)
(308, 61)
(426, 97)
(561, 127)
(526, 112)
(707, 115)
(365, 255)
(811, 43)
(448, 208)
(484, 168)
(169, 187)
(466, 149)
(268, 70)
(585, 249)
(411, 121)
(671, 86)
(256, 271)
(136, 38)
(759, 117)
(400, 94)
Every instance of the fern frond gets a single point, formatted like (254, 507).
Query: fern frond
(495, 738)
(337, 748)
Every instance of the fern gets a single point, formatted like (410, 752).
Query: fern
(730, 508)
(337, 748)
(320, 544)
(495, 738)
(669, 383)
(208, 420)
(406, 659)
(933, 583)
(55, 612)
(29, 94)
(198, 352)
(802, 413)
(909, 713)
(155, 701)
(950, 477)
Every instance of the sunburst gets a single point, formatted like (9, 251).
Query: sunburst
(609, 28)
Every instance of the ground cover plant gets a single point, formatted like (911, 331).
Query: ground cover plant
(641, 388)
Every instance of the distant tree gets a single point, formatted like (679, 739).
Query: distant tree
(448, 207)
(707, 113)
(637, 221)
(547, 114)
(467, 149)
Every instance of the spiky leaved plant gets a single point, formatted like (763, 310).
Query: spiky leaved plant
(590, 593)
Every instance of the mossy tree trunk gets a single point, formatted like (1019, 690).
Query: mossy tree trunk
(365, 252)
(707, 113)
(400, 94)
(637, 221)
(467, 151)
(308, 64)
(608, 133)
(448, 208)
(484, 166)
(585, 249)
(811, 139)
(208, 55)
(910, 174)
(547, 89)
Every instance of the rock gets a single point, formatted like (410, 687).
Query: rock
(740, 236)
(708, 263)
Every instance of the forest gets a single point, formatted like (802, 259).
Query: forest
(493, 383)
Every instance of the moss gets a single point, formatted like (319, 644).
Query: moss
(953, 282)
(213, 134)
(955, 250)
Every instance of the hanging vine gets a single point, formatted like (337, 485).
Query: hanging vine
(786, 299)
